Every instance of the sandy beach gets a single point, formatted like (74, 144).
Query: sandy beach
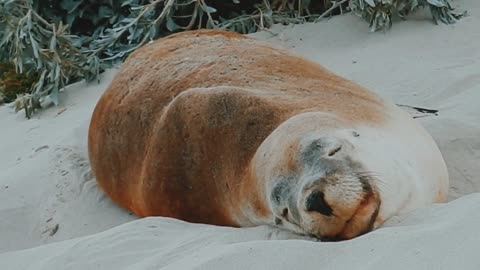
(53, 216)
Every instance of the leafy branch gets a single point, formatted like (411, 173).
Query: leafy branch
(379, 13)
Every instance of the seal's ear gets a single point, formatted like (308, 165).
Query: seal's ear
(283, 200)
(279, 200)
(279, 194)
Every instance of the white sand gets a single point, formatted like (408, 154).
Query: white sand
(45, 178)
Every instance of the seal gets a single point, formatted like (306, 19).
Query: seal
(213, 127)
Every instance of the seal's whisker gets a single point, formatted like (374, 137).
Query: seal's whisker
(371, 176)
(368, 173)
(376, 179)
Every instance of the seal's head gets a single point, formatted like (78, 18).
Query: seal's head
(316, 183)
(331, 196)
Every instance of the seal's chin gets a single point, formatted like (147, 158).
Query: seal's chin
(339, 206)
(361, 222)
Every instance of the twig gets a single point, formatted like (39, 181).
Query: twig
(334, 6)
(419, 109)
(165, 11)
(194, 17)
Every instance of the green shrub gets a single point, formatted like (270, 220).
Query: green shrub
(60, 42)
(13, 84)
(379, 13)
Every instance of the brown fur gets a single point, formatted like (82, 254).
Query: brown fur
(175, 133)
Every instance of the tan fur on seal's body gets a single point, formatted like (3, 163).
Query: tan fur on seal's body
(213, 127)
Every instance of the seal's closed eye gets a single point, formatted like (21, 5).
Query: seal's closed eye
(334, 150)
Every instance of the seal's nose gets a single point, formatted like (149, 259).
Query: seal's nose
(316, 202)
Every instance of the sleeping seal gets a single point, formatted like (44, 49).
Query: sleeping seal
(213, 127)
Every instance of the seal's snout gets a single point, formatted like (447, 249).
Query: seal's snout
(339, 208)
(316, 202)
